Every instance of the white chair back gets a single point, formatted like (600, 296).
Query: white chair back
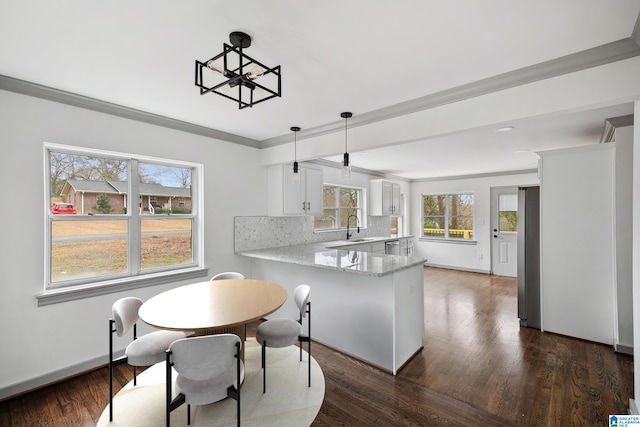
(228, 275)
(124, 313)
(206, 357)
(301, 297)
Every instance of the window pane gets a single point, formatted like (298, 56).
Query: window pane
(164, 189)
(329, 197)
(90, 248)
(394, 225)
(327, 221)
(350, 215)
(349, 198)
(508, 212)
(434, 205)
(94, 185)
(434, 226)
(434, 208)
(461, 227)
(166, 242)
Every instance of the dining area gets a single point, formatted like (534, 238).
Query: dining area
(198, 365)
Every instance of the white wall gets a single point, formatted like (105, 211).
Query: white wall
(42, 343)
(577, 236)
(458, 255)
(624, 236)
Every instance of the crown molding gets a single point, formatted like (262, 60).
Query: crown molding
(44, 92)
(610, 125)
(477, 175)
(635, 36)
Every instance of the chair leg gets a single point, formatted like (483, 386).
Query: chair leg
(309, 367)
(264, 368)
(110, 391)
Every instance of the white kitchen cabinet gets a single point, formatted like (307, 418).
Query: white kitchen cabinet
(303, 197)
(406, 247)
(384, 198)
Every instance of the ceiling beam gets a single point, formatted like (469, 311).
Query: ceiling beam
(600, 55)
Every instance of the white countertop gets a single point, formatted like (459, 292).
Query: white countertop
(336, 255)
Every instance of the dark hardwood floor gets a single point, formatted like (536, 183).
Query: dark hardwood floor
(478, 368)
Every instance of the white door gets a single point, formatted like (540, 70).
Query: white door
(504, 235)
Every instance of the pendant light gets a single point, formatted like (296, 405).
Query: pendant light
(346, 167)
(296, 175)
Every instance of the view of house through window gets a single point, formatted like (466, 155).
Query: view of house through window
(122, 216)
(448, 216)
(341, 205)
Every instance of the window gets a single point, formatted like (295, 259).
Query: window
(448, 216)
(107, 238)
(508, 213)
(340, 205)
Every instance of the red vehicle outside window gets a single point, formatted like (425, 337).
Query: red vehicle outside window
(63, 208)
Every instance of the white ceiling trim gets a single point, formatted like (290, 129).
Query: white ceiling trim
(32, 89)
(608, 53)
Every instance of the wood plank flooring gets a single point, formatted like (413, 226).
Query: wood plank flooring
(478, 368)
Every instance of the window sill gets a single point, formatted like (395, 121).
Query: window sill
(56, 296)
(456, 242)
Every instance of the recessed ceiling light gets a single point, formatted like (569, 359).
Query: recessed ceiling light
(505, 129)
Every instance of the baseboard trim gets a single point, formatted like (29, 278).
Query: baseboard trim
(633, 408)
(624, 349)
(453, 267)
(50, 378)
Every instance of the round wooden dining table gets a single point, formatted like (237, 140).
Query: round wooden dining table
(213, 307)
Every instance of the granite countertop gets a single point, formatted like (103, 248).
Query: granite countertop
(329, 255)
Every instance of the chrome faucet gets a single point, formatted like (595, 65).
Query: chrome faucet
(357, 222)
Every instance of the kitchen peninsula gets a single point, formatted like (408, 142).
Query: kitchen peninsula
(368, 305)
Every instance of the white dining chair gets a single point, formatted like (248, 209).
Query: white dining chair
(209, 370)
(227, 275)
(278, 333)
(145, 350)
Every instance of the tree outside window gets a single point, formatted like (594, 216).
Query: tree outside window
(341, 205)
(448, 216)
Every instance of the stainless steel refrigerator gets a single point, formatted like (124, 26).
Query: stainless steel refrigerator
(529, 257)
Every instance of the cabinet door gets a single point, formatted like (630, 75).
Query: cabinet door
(387, 198)
(314, 190)
(395, 200)
(293, 193)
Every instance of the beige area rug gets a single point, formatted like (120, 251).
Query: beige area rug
(288, 400)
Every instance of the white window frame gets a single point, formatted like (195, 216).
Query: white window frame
(361, 208)
(135, 277)
(447, 215)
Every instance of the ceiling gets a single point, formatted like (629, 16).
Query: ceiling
(361, 56)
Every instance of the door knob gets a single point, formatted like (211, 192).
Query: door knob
(495, 236)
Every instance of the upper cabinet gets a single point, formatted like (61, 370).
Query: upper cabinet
(303, 197)
(384, 198)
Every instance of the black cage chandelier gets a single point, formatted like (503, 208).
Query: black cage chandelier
(237, 76)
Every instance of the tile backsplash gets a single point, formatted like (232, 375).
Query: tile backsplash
(259, 232)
